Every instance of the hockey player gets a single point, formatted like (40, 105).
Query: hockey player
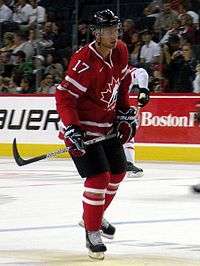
(139, 82)
(92, 101)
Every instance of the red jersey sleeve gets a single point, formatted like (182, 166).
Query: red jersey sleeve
(77, 81)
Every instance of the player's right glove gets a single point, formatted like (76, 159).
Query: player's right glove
(73, 138)
(143, 97)
(126, 124)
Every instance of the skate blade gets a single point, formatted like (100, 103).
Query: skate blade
(131, 174)
(96, 255)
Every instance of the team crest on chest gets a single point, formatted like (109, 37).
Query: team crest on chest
(109, 96)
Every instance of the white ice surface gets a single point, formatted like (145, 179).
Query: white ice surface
(156, 215)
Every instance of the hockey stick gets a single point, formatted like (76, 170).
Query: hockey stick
(20, 161)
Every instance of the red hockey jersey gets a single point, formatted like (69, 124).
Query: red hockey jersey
(93, 89)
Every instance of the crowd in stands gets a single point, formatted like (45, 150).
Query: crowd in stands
(36, 44)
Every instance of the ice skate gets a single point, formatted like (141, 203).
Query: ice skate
(133, 171)
(95, 245)
(107, 229)
(195, 188)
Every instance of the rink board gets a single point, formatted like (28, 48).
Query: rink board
(167, 129)
(143, 153)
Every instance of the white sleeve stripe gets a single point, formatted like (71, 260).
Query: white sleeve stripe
(94, 202)
(96, 134)
(64, 89)
(59, 87)
(95, 124)
(114, 184)
(109, 192)
(74, 94)
(126, 73)
(76, 84)
(124, 69)
(95, 190)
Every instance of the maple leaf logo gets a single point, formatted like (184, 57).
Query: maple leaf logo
(110, 95)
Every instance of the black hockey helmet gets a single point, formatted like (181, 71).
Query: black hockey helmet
(103, 19)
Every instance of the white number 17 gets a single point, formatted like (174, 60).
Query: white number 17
(80, 66)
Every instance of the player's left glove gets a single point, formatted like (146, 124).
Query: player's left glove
(143, 97)
(73, 138)
(126, 124)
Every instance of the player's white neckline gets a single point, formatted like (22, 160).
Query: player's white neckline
(91, 47)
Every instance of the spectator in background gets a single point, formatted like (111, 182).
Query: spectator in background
(166, 19)
(135, 49)
(38, 15)
(22, 44)
(175, 30)
(158, 83)
(196, 82)
(10, 3)
(8, 42)
(47, 85)
(47, 36)
(153, 9)
(53, 67)
(187, 29)
(150, 52)
(84, 34)
(169, 49)
(26, 86)
(5, 64)
(5, 84)
(34, 40)
(23, 68)
(128, 30)
(48, 31)
(184, 9)
(181, 71)
(156, 6)
(5, 12)
(22, 12)
(60, 38)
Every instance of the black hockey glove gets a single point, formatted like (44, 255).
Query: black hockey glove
(197, 114)
(143, 97)
(197, 118)
(73, 138)
(126, 124)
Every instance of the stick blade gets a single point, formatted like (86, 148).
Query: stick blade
(16, 155)
(19, 160)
